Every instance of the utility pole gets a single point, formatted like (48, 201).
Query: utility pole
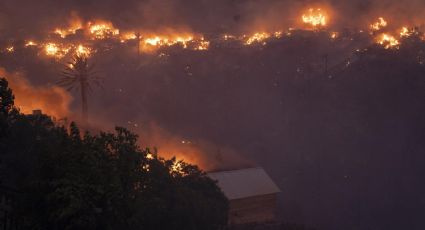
(139, 39)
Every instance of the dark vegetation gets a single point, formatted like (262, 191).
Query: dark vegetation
(65, 179)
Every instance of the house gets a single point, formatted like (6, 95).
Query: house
(252, 195)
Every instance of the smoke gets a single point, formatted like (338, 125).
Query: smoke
(52, 100)
(206, 155)
(198, 16)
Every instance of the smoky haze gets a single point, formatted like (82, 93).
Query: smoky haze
(345, 148)
(26, 17)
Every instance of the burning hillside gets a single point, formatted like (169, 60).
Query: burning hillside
(82, 37)
(303, 90)
(94, 38)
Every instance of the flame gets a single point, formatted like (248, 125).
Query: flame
(102, 30)
(203, 45)
(278, 34)
(315, 17)
(155, 42)
(381, 23)
(30, 43)
(177, 167)
(388, 41)
(10, 49)
(257, 37)
(55, 50)
(229, 37)
(74, 25)
(128, 36)
(51, 49)
(83, 51)
(405, 32)
(334, 35)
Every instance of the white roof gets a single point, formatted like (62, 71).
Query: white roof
(244, 183)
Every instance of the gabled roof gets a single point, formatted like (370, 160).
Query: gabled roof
(238, 184)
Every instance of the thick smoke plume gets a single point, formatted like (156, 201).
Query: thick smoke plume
(52, 100)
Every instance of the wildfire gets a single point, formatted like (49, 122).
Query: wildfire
(257, 37)
(388, 41)
(30, 43)
(405, 32)
(381, 23)
(278, 34)
(83, 51)
(54, 50)
(10, 49)
(75, 25)
(51, 49)
(315, 17)
(229, 37)
(177, 167)
(102, 30)
(159, 41)
(203, 45)
(128, 36)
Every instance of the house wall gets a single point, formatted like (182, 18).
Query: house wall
(253, 209)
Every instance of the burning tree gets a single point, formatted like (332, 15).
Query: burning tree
(80, 74)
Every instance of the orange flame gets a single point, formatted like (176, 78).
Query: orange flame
(381, 23)
(83, 51)
(315, 17)
(74, 25)
(257, 37)
(102, 30)
(388, 41)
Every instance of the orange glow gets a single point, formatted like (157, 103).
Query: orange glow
(102, 30)
(315, 17)
(155, 42)
(177, 167)
(51, 49)
(74, 25)
(229, 37)
(52, 100)
(10, 49)
(388, 41)
(83, 51)
(30, 43)
(203, 45)
(257, 37)
(55, 50)
(278, 34)
(405, 32)
(381, 23)
(128, 36)
(149, 156)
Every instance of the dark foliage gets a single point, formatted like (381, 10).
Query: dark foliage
(69, 180)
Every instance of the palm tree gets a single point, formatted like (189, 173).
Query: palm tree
(78, 73)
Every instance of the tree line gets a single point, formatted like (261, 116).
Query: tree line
(67, 179)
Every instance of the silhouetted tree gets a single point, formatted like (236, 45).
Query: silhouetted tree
(80, 74)
(69, 180)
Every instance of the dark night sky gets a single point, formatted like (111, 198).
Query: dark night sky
(346, 151)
